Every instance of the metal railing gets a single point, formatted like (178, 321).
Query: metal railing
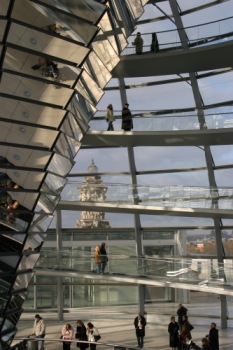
(159, 196)
(201, 35)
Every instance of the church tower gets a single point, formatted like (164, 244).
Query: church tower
(92, 190)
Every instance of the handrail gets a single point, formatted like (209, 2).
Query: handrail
(166, 196)
(194, 36)
(21, 345)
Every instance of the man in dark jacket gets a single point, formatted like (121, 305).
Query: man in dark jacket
(182, 311)
(213, 337)
(127, 122)
(140, 324)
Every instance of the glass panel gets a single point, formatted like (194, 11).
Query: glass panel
(24, 179)
(95, 67)
(60, 165)
(89, 10)
(47, 44)
(2, 25)
(67, 146)
(39, 67)
(26, 157)
(73, 126)
(135, 8)
(80, 29)
(89, 89)
(34, 90)
(53, 183)
(47, 203)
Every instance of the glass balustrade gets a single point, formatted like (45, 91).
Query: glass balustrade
(158, 196)
(149, 121)
(197, 36)
(193, 271)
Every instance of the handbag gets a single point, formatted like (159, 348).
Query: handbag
(97, 337)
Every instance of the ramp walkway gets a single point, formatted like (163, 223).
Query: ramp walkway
(204, 58)
(198, 274)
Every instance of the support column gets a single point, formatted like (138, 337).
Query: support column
(137, 227)
(208, 156)
(60, 294)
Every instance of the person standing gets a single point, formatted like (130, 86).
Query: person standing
(110, 117)
(92, 335)
(103, 257)
(127, 121)
(97, 259)
(185, 334)
(81, 334)
(173, 330)
(154, 43)
(39, 330)
(140, 324)
(213, 337)
(67, 333)
(182, 311)
(138, 43)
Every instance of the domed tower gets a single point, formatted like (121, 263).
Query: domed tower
(92, 190)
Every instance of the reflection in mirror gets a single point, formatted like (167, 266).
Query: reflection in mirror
(95, 68)
(60, 165)
(67, 146)
(71, 127)
(89, 89)
(48, 203)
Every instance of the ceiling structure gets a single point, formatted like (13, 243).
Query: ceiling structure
(56, 60)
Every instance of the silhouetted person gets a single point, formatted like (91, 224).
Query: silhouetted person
(182, 311)
(127, 121)
(154, 43)
(138, 43)
(213, 337)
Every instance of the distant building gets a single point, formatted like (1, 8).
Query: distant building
(92, 190)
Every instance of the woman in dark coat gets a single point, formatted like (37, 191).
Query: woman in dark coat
(81, 334)
(140, 324)
(213, 337)
(173, 330)
(127, 122)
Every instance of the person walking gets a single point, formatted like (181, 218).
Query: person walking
(140, 324)
(103, 257)
(138, 43)
(92, 335)
(67, 334)
(81, 334)
(154, 43)
(110, 117)
(127, 121)
(182, 311)
(97, 259)
(39, 330)
(173, 330)
(213, 337)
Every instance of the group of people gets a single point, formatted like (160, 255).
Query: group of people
(88, 335)
(127, 119)
(180, 333)
(138, 43)
(101, 258)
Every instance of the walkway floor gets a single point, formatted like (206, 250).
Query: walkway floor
(116, 325)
